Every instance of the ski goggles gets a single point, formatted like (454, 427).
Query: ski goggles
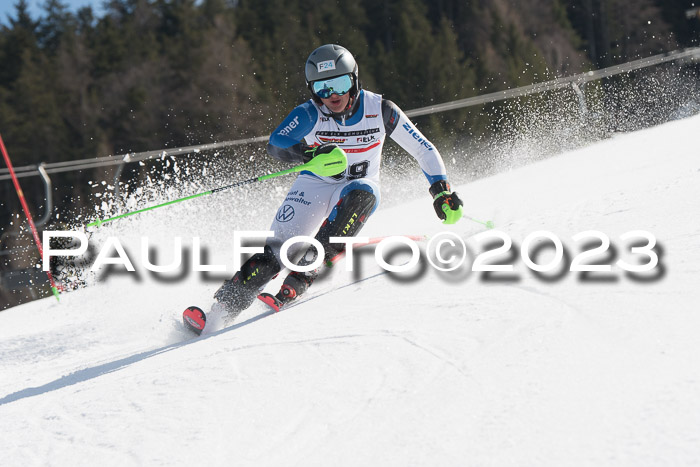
(339, 85)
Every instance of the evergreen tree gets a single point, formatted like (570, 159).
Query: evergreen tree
(279, 45)
(56, 23)
(18, 38)
(616, 31)
(154, 73)
(30, 118)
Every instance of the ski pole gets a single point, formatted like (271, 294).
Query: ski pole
(488, 224)
(326, 165)
(23, 202)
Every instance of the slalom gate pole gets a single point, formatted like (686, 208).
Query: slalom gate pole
(328, 164)
(372, 241)
(20, 194)
(488, 224)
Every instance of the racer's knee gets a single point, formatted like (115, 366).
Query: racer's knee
(360, 189)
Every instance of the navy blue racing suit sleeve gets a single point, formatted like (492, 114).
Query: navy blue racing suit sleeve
(286, 142)
(390, 115)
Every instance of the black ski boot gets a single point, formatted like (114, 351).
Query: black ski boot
(239, 292)
(346, 220)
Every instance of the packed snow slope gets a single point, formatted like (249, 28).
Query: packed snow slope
(417, 368)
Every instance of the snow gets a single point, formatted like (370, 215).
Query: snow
(424, 368)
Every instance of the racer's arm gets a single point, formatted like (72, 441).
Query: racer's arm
(286, 142)
(405, 133)
(447, 205)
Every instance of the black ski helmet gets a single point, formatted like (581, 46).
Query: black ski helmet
(329, 61)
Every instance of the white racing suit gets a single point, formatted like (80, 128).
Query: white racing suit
(362, 136)
(315, 201)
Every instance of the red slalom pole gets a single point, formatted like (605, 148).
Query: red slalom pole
(20, 194)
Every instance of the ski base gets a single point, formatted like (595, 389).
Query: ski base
(194, 319)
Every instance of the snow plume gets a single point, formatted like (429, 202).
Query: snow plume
(212, 218)
(502, 136)
(524, 130)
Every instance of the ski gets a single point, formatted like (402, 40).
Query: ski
(194, 319)
(275, 304)
(271, 301)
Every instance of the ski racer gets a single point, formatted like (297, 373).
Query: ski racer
(340, 116)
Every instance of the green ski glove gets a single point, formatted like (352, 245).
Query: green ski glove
(448, 206)
(309, 152)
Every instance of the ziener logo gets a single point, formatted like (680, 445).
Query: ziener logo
(417, 136)
(292, 125)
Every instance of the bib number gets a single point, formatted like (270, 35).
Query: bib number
(355, 171)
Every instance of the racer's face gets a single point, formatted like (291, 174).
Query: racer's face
(336, 103)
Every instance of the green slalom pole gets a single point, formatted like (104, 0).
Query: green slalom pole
(488, 224)
(325, 165)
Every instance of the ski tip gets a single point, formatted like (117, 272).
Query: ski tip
(270, 300)
(194, 319)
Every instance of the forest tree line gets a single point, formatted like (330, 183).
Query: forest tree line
(151, 74)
